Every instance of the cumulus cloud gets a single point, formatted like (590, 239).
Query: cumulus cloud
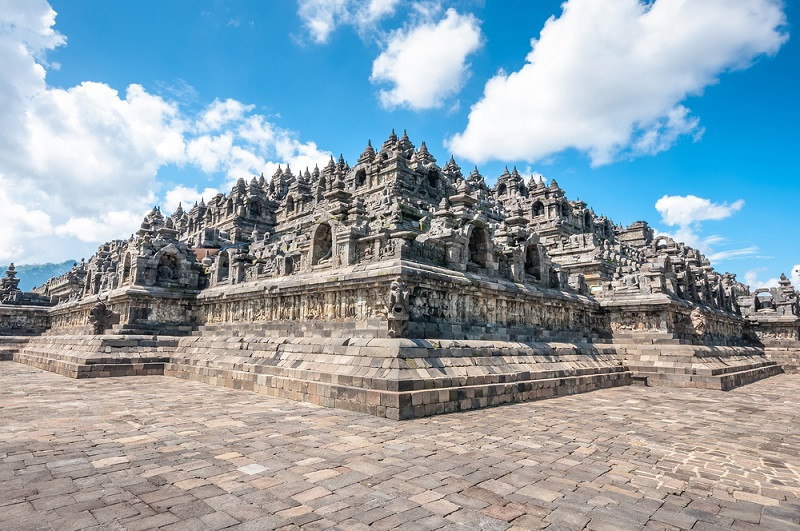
(427, 62)
(753, 278)
(608, 77)
(80, 165)
(322, 17)
(686, 214)
(187, 196)
(684, 210)
(220, 113)
(107, 226)
(240, 143)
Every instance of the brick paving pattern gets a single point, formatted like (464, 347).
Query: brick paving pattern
(155, 452)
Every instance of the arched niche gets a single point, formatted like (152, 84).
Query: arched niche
(322, 244)
(361, 178)
(223, 266)
(168, 269)
(321, 188)
(126, 268)
(290, 205)
(537, 209)
(433, 179)
(587, 221)
(478, 247)
(533, 262)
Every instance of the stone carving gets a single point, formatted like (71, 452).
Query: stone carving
(398, 309)
(101, 318)
(699, 323)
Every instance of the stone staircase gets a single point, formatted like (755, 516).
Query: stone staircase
(9, 345)
(97, 356)
(678, 364)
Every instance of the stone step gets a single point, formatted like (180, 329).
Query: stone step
(152, 329)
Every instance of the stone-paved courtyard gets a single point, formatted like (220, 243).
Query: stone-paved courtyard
(148, 452)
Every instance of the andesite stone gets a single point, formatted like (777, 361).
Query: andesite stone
(401, 289)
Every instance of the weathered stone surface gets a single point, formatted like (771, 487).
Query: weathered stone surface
(401, 288)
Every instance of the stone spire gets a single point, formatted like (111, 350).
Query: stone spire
(11, 281)
(423, 155)
(451, 169)
(368, 155)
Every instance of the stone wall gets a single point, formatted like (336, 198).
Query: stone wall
(23, 320)
(672, 319)
(130, 306)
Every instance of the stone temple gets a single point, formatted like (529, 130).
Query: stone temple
(401, 288)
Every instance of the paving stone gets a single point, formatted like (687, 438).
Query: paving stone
(494, 469)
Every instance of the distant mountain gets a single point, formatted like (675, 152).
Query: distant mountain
(31, 275)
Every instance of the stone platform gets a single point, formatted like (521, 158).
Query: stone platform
(786, 353)
(392, 378)
(706, 367)
(398, 378)
(93, 356)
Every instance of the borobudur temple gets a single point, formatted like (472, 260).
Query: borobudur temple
(401, 288)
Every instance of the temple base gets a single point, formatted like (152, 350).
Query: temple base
(676, 364)
(392, 378)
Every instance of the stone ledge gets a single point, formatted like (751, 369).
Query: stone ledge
(392, 378)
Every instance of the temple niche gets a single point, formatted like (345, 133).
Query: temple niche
(414, 263)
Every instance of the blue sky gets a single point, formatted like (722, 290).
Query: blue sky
(147, 102)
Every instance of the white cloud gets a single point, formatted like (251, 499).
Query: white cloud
(111, 225)
(427, 62)
(608, 77)
(684, 210)
(745, 252)
(220, 113)
(687, 213)
(70, 154)
(80, 165)
(251, 145)
(322, 17)
(753, 279)
(187, 196)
